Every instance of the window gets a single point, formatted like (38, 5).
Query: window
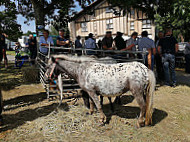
(132, 13)
(132, 25)
(108, 10)
(109, 24)
(84, 27)
(146, 24)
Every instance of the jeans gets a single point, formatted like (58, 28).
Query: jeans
(168, 61)
(159, 67)
(20, 60)
(187, 65)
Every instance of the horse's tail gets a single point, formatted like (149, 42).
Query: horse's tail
(149, 97)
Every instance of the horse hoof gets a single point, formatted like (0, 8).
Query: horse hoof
(147, 124)
(101, 125)
(139, 125)
(89, 113)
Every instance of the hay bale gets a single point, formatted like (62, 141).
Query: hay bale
(30, 74)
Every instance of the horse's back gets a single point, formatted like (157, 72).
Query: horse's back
(115, 78)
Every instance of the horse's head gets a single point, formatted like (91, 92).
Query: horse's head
(50, 70)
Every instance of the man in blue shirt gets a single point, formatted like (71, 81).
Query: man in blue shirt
(45, 40)
(145, 44)
(90, 44)
(61, 40)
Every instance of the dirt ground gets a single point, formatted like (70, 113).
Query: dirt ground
(29, 116)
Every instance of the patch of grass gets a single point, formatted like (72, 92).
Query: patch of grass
(12, 53)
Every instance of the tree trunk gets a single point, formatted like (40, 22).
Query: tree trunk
(38, 7)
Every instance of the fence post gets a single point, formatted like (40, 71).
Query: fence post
(49, 50)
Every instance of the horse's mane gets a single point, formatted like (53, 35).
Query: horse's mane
(77, 59)
(80, 59)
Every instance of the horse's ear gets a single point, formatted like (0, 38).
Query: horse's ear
(53, 59)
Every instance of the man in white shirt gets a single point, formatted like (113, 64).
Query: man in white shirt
(132, 41)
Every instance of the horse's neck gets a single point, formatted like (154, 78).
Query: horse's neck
(71, 68)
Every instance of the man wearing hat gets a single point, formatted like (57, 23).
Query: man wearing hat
(107, 41)
(119, 41)
(90, 44)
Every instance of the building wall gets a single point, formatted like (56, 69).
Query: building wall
(96, 23)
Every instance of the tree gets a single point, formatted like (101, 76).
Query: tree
(8, 23)
(178, 18)
(42, 11)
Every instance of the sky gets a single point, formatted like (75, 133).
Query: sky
(31, 26)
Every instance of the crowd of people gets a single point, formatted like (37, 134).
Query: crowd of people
(160, 52)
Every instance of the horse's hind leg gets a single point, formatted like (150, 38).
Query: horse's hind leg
(111, 104)
(142, 104)
(95, 99)
(118, 100)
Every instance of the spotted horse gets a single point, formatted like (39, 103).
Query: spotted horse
(110, 80)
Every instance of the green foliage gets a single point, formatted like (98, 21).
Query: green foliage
(53, 31)
(28, 33)
(178, 18)
(8, 23)
(45, 11)
(165, 13)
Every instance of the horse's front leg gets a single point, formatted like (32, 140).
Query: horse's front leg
(96, 100)
(60, 85)
(91, 106)
(101, 100)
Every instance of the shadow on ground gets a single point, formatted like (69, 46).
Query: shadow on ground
(12, 121)
(131, 112)
(181, 77)
(23, 101)
(11, 78)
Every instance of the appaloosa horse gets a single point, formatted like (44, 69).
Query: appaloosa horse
(110, 80)
(85, 96)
